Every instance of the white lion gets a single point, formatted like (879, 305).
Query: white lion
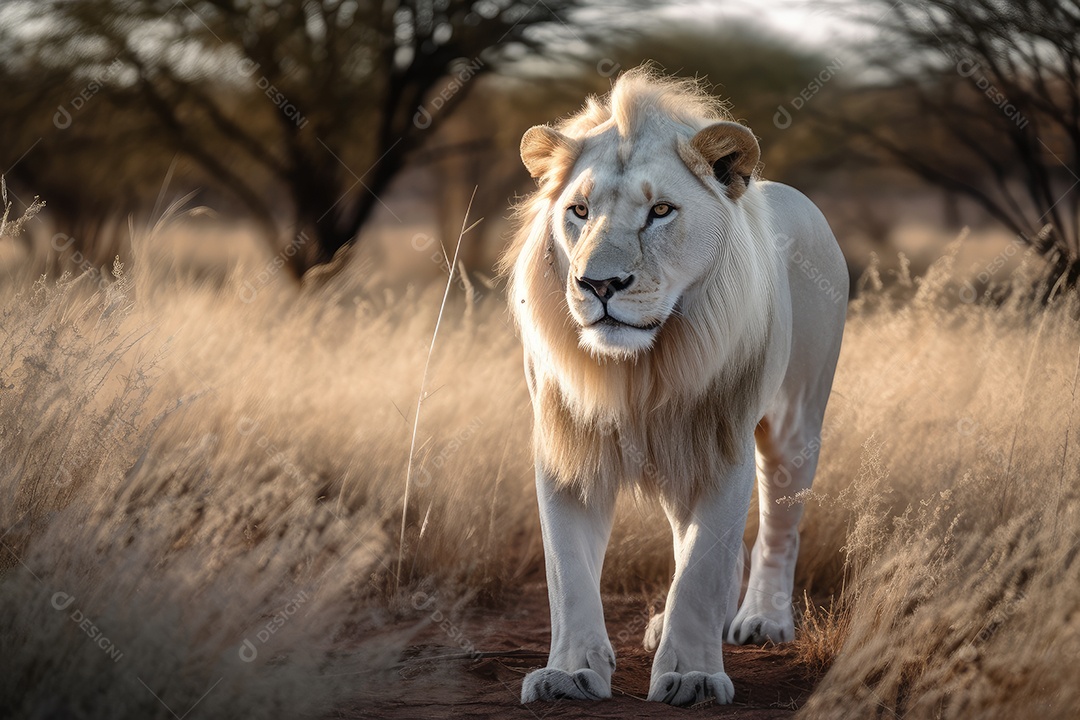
(672, 311)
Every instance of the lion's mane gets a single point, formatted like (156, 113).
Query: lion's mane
(668, 420)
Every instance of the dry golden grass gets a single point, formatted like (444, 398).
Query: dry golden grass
(192, 468)
(949, 479)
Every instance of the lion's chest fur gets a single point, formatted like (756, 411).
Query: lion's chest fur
(671, 448)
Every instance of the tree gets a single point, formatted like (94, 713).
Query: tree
(317, 101)
(982, 98)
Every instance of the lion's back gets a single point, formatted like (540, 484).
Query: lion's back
(816, 292)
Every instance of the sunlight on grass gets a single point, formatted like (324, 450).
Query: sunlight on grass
(205, 492)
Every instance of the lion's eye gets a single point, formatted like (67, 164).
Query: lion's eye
(580, 210)
(660, 210)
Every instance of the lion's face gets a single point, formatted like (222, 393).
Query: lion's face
(636, 230)
(630, 247)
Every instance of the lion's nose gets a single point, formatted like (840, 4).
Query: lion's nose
(605, 289)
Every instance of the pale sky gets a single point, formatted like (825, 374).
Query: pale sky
(817, 24)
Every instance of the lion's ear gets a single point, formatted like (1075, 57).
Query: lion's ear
(731, 153)
(542, 147)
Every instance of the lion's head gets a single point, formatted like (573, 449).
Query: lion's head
(644, 267)
(642, 196)
(637, 217)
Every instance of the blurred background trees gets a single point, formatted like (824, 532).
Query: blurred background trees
(982, 99)
(314, 105)
(314, 123)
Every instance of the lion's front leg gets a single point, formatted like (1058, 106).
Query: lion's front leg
(575, 537)
(689, 664)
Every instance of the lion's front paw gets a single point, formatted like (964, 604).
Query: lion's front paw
(689, 688)
(553, 684)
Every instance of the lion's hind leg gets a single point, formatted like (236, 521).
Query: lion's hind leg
(786, 462)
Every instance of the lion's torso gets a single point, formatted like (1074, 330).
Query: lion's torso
(664, 439)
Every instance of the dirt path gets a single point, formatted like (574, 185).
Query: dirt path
(769, 684)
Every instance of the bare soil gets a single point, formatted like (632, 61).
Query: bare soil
(439, 679)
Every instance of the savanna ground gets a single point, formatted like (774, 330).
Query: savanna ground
(204, 490)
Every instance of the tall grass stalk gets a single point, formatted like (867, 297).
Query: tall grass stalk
(423, 388)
